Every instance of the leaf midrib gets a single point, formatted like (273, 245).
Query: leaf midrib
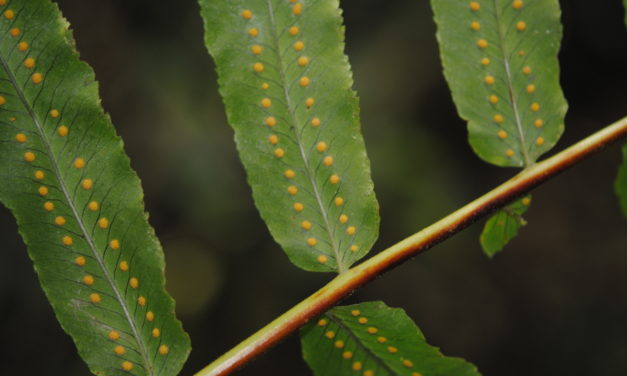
(77, 217)
(510, 85)
(291, 112)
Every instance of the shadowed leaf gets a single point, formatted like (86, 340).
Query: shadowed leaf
(500, 61)
(503, 226)
(286, 84)
(372, 339)
(78, 204)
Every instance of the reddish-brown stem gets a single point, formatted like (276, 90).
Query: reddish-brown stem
(359, 275)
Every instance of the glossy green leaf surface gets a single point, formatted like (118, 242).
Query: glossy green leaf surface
(500, 61)
(78, 204)
(373, 339)
(621, 182)
(503, 226)
(286, 84)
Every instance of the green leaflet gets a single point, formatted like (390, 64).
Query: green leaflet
(375, 340)
(503, 226)
(286, 84)
(78, 204)
(500, 61)
(621, 182)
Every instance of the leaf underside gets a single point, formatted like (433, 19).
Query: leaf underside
(503, 226)
(286, 84)
(500, 61)
(373, 339)
(621, 182)
(78, 204)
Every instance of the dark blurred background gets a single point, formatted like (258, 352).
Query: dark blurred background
(554, 303)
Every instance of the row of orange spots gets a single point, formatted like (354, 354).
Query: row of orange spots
(475, 6)
(114, 335)
(43, 191)
(22, 46)
(530, 89)
(490, 80)
(526, 70)
(271, 121)
(299, 46)
(357, 365)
